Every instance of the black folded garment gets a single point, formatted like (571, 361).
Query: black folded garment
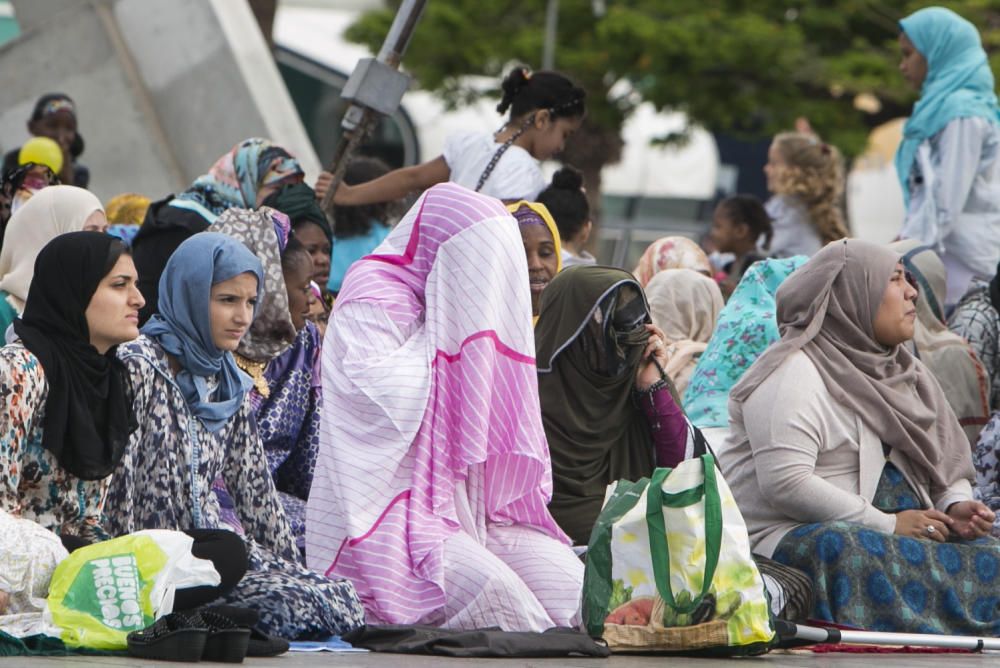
(491, 642)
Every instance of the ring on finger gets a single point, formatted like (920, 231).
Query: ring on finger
(930, 530)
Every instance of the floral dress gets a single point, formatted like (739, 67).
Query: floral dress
(165, 482)
(32, 483)
(288, 423)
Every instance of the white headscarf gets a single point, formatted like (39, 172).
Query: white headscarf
(50, 212)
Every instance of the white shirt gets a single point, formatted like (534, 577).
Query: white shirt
(955, 200)
(793, 234)
(515, 176)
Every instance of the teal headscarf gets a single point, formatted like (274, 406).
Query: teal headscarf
(746, 326)
(183, 328)
(959, 82)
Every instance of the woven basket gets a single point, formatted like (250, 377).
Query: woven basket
(655, 637)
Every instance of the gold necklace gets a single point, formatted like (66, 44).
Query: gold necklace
(256, 371)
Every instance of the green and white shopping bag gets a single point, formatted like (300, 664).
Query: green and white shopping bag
(669, 567)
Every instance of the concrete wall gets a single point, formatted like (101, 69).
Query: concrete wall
(163, 87)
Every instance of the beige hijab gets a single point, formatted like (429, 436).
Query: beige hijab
(949, 357)
(50, 212)
(685, 305)
(827, 310)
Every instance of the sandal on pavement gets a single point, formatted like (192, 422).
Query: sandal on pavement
(173, 637)
(227, 641)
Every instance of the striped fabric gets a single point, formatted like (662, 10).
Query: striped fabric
(428, 372)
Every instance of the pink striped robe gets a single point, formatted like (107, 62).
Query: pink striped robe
(428, 374)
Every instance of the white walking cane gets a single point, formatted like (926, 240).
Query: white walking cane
(789, 631)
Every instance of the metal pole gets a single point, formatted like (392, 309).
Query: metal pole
(359, 118)
(551, 30)
(835, 636)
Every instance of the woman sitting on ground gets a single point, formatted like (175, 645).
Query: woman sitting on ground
(684, 305)
(671, 253)
(248, 174)
(52, 211)
(280, 353)
(433, 476)
(542, 246)
(848, 464)
(949, 357)
(66, 416)
(607, 409)
(977, 320)
(197, 426)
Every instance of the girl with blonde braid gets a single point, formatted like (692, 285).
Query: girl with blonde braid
(806, 176)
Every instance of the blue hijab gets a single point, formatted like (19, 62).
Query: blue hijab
(183, 328)
(959, 82)
(747, 325)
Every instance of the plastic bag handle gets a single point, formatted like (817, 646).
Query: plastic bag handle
(656, 499)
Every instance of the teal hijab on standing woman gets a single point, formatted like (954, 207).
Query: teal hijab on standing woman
(959, 82)
(183, 326)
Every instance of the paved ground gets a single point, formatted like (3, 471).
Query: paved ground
(798, 659)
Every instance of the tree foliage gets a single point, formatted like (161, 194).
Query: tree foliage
(738, 66)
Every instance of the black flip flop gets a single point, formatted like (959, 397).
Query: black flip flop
(227, 641)
(173, 637)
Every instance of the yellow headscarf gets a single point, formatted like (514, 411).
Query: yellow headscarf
(542, 212)
(127, 209)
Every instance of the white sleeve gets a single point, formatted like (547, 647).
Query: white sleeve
(955, 162)
(455, 146)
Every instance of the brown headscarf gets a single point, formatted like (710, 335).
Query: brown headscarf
(827, 310)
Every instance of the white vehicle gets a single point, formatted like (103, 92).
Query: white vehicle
(654, 191)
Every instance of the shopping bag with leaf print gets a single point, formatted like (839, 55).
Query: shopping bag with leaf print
(101, 592)
(669, 568)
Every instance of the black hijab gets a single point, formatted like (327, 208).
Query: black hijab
(88, 417)
(589, 341)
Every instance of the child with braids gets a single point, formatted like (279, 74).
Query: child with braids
(806, 176)
(740, 226)
(567, 202)
(545, 109)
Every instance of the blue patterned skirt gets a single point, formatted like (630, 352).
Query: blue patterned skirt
(884, 582)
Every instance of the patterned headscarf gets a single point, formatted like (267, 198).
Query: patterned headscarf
(746, 326)
(671, 253)
(238, 176)
(265, 232)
